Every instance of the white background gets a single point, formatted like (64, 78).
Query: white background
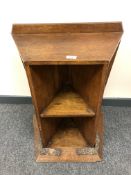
(12, 75)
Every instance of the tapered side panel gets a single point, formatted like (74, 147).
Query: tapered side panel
(111, 64)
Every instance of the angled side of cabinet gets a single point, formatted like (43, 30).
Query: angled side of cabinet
(67, 93)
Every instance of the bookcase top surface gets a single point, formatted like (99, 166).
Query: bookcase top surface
(81, 43)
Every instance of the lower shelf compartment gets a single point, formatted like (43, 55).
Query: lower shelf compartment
(67, 144)
(67, 135)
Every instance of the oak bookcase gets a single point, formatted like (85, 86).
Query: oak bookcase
(67, 66)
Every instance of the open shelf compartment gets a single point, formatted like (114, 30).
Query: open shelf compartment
(67, 144)
(67, 103)
(67, 134)
(66, 91)
(67, 106)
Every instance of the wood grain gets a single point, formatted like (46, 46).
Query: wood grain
(67, 135)
(68, 154)
(67, 104)
(67, 93)
(90, 48)
(67, 27)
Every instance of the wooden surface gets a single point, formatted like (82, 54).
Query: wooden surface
(52, 48)
(88, 82)
(68, 154)
(43, 90)
(67, 104)
(67, 27)
(67, 135)
(66, 91)
(49, 128)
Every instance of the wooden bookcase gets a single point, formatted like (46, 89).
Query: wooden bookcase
(67, 66)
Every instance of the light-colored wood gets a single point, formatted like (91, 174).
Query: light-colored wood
(67, 104)
(68, 154)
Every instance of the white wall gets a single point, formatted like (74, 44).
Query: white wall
(12, 75)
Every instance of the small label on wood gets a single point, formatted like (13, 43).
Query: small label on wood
(71, 57)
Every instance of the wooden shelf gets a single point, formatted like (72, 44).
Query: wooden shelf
(67, 104)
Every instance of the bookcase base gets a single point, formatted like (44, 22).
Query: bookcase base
(63, 154)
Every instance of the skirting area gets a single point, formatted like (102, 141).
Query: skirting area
(17, 145)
